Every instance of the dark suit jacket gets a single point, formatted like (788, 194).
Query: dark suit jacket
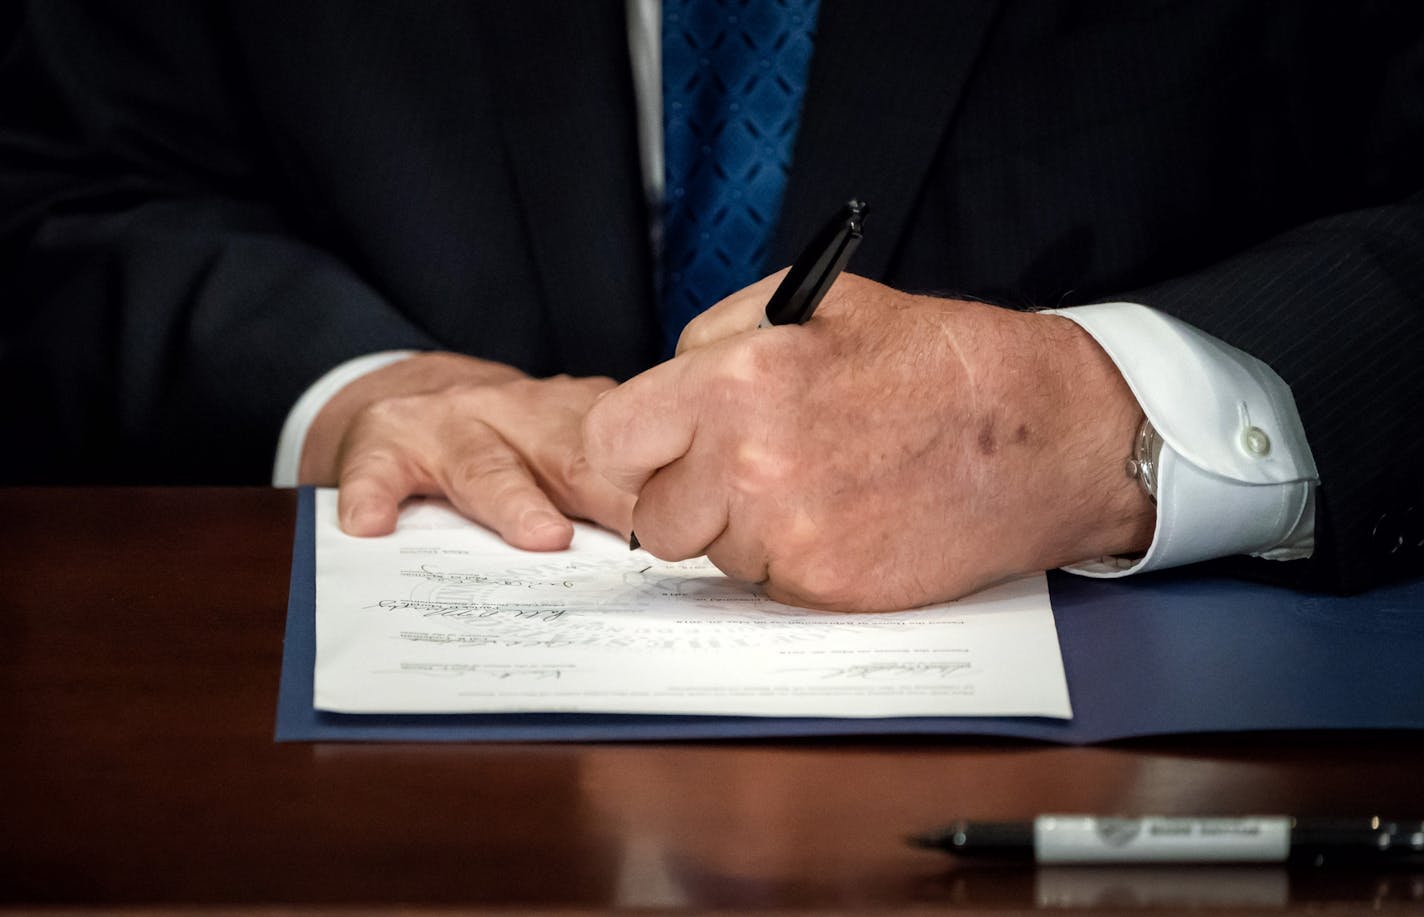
(205, 206)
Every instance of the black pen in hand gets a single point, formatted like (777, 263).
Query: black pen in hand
(816, 268)
(810, 276)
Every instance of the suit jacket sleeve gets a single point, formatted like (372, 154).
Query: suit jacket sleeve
(1336, 304)
(1337, 308)
(160, 314)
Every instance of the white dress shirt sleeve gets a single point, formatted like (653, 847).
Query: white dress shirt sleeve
(299, 419)
(1236, 475)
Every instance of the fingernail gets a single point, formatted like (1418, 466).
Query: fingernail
(361, 515)
(537, 519)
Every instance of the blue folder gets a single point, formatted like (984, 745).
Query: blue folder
(1160, 654)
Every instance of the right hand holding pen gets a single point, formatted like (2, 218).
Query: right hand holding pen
(504, 448)
(893, 451)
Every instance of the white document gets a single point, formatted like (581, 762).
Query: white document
(444, 617)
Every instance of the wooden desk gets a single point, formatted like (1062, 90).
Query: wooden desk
(140, 636)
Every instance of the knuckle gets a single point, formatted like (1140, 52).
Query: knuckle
(572, 468)
(597, 384)
(822, 580)
(755, 468)
(738, 566)
(592, 436)
(474, 398)
(751, 362)
(601, 432)
(486, 468)
(695, 334)
(519, 391)
(742, 383)
(493, 493)
(378, 463)
(375, 457)
(531, 395)
(388, 412)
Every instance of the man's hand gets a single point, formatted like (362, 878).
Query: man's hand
(502, 447)
(895, 450)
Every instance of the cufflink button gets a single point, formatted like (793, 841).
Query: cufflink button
(1255, 441)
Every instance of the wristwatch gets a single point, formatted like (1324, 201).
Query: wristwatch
(1145, 460)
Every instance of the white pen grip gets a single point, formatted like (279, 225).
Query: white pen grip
(1156, 839)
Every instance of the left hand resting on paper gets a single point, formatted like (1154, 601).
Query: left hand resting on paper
(895, 450)
(502, 447)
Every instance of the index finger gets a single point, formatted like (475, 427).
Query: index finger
(642, 425)
(741, 311)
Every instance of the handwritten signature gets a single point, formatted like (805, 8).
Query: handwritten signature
(468, 610)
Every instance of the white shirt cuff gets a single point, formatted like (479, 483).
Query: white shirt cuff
(1216, 495)
(300, 417)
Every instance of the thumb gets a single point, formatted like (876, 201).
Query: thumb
(742, 311)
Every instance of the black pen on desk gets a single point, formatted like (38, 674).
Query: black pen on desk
(810, 276)
(1079, 839)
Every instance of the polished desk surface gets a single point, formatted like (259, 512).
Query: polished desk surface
(140, 638)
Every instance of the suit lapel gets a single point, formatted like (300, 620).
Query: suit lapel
(568, 121)
(882, 90)
(884, 82)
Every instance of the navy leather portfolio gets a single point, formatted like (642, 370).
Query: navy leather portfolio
(1155, 655)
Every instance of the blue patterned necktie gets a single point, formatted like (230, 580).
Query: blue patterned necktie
(734, 74)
